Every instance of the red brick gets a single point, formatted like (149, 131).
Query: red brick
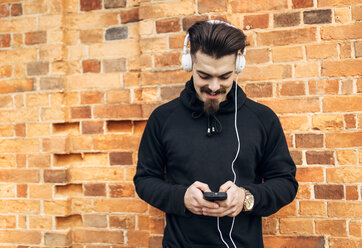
(114, 65)
(118, 96)
(358, 48)
(350, 120)
(259, 90)
(130, 15)
(120, 158)
(296, 226)
(122, 221)
(95, 189)
(92, 127)
(118, 111)
(341, 68)
(91, 36)
(342, 32)
(287, 53)
(168, 9)
(92, 97)
(88, 5)
(310, 174)
(317, 16)
(309, 140)
(322, 51)
(110, 4)
(92, 220)
(355, 228)
(167, 59)
(16, 10)
(91, 65)
(38, 37)
(261, 5)
(176, 41)
(351, 193)
(292, 88)
(256, 21)
(286, 37)
(21, 237)
(292, 105)
(119, 126)
(331, 227)
(37, 68)
(155, 242)
(297, 4)
(120, 205)
(22, 190)
(258, 73)
(69, 190)
(324, 3)
(58, 239)
(169, 93)
(168, 25)
(4, 10)
(6, 70)
(206, 6)
(20, 130)
(66, 128)
(55, 176)
(72, 221)
(92, 236)
(345, 50)
(121, 190)
(329, 191)
(304, 191)
(269, 225)
(356, 13)
(312, 208)
(340, 140)
(5, 40)
(344, 242)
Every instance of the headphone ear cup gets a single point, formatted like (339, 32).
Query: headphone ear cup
(239, 63)
(187, 62)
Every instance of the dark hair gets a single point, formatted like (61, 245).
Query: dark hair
(216, 39)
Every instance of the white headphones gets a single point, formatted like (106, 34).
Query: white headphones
(187, 60)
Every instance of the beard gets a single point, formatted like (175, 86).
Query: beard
(211, 106)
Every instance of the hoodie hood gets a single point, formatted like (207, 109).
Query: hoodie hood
(190, 100)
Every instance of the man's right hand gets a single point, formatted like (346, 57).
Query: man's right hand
(194, 198)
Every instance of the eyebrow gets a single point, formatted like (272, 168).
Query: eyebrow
(225, 74)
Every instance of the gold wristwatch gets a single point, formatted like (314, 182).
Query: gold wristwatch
(248, 201)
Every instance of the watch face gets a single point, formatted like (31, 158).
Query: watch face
(249, 202)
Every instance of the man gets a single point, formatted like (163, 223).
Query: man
(214, 138)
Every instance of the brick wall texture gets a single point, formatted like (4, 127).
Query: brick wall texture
(79, 78)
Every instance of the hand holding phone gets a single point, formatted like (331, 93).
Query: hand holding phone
(215, 196)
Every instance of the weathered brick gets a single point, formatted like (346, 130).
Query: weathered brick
(154, 44)
(40, 222)
(122, 221)
(347, 157)
(312, 208)
(287, 19)
(19, 175)
(269, 225)
(37, 68)
(341, 68)
(327, 122)
(146, 95)
(130, 15)
(342, 32)
(324, 3)
(296, 226)
(5, 40)
(40, 191)
(92, 127)
(294, 122)
(80, 112)
(256, 21)
(308, 69)
(257, 56)
(119, 126)
(118, 111)
(168, 9)
(358, 49)
(344, 174)
(323, 87)
(205, 6)
(57, 239)
(110, 142)
(331, 227)
(297, 4)
(320, 157)
(72, 221)
(118, 96)
(187, 22)
(295, 105)
(262, 5)
(344, 209)
(304, 191)
(286, 54)
(350, 120)
(92, 97)
(138, 238)
(39, 160)
(259, 90)
(355, 228)
(4, 10)
(167, 59)
(309, 140)
(345, 50)
(121, 190)
(168, 25)
(110, 4)
(310, 174)
(281, 38)
(114, 65)
(95, 189)
(288, 210)
(55, 176)
(322, 51)
(38, 37)
(22, 190)
(16, 10)
(19, 206)
(120, 205)
(292, 88)
(356, 13)
(91, 65)
(57, 207)
(117, 33)
(342, 103)
(335, 242)
(93, 236)
(91, 36)
(329, 191)
(21, 237)
(92, 220)
(317, 16)
(164, 77)
(120, 158)
(342, 15)
(176, 41)
(88, 5)
(51, 83)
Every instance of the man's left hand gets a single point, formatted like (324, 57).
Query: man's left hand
(232, 206)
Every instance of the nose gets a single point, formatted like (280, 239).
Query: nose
(214, 85)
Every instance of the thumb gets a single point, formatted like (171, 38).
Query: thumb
(202, 186)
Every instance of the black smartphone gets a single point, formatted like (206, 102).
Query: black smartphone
(215, 196)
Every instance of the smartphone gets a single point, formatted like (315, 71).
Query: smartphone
(215, 196)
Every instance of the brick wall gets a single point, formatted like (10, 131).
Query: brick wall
(78, 80)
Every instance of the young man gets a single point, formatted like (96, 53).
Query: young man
(211, 139)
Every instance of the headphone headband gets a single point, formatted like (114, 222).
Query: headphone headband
(187, 59)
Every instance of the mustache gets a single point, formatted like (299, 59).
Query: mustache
(207, 90)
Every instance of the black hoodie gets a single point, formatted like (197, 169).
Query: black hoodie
(176, 150)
